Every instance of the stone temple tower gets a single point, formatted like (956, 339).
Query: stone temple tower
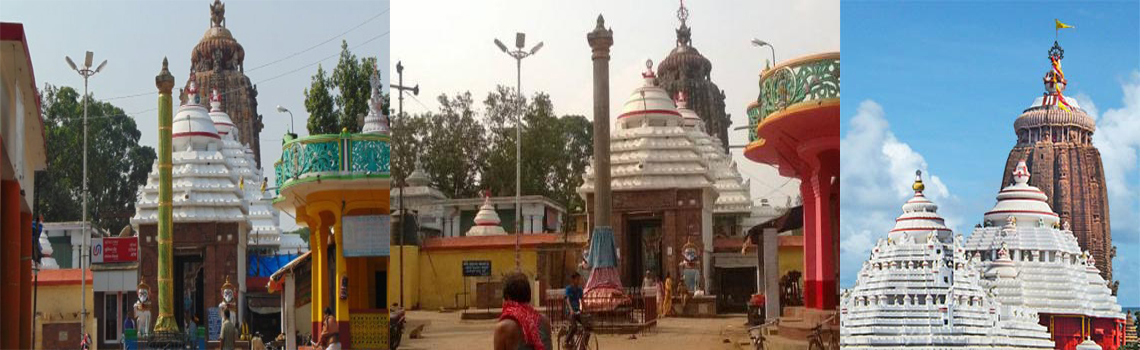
(1054, 137)
(686, 70)
(218, 63)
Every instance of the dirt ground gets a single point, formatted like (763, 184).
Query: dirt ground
(445, 331)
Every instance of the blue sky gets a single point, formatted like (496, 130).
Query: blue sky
(134, 36)
(937, 86)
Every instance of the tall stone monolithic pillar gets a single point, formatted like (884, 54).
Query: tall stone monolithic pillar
(601, 39)
(165, 323)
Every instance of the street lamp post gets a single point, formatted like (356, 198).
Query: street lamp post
(286, 110)
(762, 43)
(400, 198)
(518, 54)
(86, 72)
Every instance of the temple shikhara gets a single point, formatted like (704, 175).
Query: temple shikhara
(218, 63)
(1054, 137)
(1026, 277)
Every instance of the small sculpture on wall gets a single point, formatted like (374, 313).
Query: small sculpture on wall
(690, 266)
(142, 309)
(344, 288)
(229, 297)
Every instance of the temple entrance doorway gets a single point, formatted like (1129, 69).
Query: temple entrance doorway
(735, 288)
(189, 290)
(645, 250)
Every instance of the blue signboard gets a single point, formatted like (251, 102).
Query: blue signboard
(476, 268)
(215, 319)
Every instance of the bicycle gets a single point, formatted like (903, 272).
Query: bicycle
(758, 334)
(583, 339)
(817, 337)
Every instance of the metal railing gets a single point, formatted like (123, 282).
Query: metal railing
(333, 156)
(626, 310)
(808, 79)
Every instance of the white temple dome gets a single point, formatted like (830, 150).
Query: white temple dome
(919, 216)
(649, 104)
(1003, 266)
(920, 290)
(1025, 203)
(47, 262)
(1053, 275)
(376, 122)
(650, 150)
(192, 126)
(486, 221)
(1088, 344)
(418, 177)
(222, 121)
(689, 118)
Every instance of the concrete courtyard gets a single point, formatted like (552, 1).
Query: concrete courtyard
(446, 331)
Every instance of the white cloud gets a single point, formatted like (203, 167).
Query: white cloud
(1118, 139)
(876, 172)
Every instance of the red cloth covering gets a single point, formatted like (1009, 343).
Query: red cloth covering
(603, 277)
(528, 320)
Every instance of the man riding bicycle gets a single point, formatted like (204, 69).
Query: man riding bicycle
(573, 300)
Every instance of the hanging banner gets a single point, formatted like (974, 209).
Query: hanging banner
(366, 235)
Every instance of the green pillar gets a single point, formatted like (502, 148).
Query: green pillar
(166, 323)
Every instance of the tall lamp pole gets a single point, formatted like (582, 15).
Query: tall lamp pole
(400, 198)
(762, 43)
(286, 110)
(518, 54)
(86, 72)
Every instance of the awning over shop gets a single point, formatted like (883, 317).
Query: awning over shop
(301, 269)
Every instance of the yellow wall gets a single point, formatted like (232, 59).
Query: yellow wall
(411, 275)
(61, 304)
(441, 273)
(791, 258)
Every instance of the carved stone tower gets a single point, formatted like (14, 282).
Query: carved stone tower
(1054, 137)
(685, 69)
(217, 63)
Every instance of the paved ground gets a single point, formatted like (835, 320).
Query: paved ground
(445, 331)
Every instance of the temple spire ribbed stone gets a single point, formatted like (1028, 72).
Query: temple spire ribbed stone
(1056, 144)
(686, 70)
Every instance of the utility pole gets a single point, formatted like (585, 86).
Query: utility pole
(518, 54)
(84, 254)
(400, 114)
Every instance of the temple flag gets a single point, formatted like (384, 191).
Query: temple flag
(1062, 25)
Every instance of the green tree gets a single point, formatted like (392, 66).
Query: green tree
(453, 146)
(497, 175)
(556, 150)
(340, 99)
(407, 136)
(351, 80)
(117, 164)
(319, 104)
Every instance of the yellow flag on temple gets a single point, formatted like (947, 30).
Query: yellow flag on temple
(1062, 25)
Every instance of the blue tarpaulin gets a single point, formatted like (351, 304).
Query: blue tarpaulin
(266, 265)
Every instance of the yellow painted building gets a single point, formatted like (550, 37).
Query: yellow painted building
(434, 277)
(58, 306)
(337, 185)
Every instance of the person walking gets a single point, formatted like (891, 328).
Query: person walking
(667, 303)
(520, 326)
(330, 332)
(228, 335)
